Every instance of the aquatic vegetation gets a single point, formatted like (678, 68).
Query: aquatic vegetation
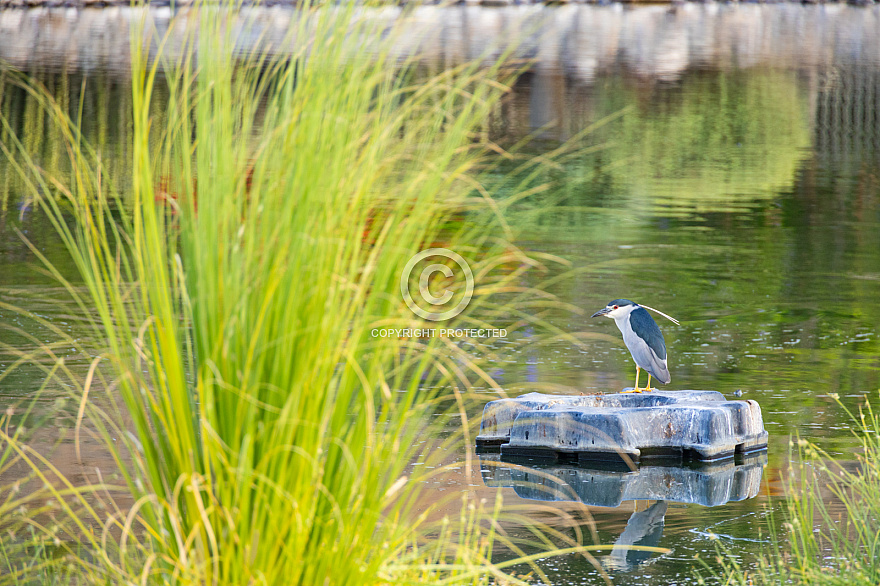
(262, 432)
(830, 521)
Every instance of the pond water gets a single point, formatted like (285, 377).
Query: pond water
(735, 186)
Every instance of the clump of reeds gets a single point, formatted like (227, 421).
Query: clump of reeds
(830, 523)
(264, 435)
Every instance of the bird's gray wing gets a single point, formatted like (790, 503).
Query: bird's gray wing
(646, 328)
(651, 355)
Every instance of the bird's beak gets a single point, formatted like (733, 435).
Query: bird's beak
(602, 311)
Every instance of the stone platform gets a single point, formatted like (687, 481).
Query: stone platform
(623, 427)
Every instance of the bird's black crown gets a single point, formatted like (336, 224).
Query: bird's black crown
(621, 302)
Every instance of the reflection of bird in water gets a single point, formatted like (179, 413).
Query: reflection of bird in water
(642, 337)
(643, 528)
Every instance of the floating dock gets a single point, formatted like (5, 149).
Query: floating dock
(623, 427)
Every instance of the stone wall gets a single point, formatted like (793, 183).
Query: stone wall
(658, 41)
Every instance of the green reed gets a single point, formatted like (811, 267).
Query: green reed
(830, 522)
(264, 434)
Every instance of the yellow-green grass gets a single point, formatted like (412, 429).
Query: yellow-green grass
(262, 433)
(830, 521)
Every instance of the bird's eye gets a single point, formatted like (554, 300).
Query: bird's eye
(615, 307)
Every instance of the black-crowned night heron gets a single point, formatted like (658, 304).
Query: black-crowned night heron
(642, 337)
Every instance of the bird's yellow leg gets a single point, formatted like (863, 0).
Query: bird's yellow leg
(648, 389)
(636, 388)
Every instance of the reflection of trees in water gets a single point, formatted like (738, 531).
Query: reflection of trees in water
(103, 104)
(714, 142)
(847, 122)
